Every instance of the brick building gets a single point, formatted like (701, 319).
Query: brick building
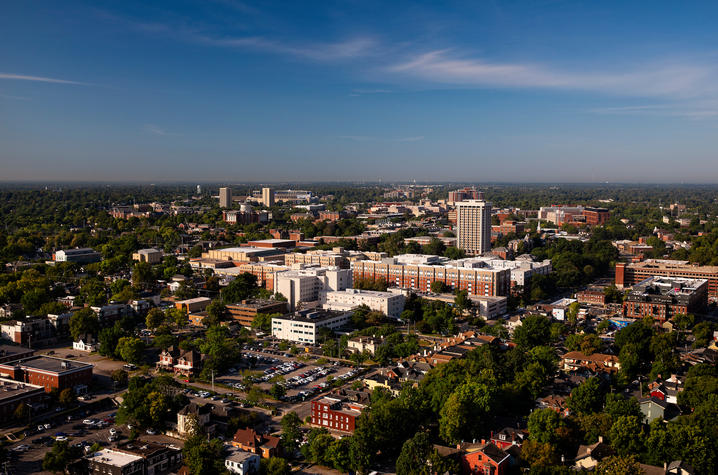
(635, 272)
(336, 413)
(664, 297)
(49, 372)
(245, 311)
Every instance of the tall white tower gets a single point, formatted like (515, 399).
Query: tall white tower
(473, 226)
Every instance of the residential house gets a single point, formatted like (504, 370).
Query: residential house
(199, 412)
(508, 437)
(188, 363)
(588, 456)
(666, 390)
(554, 402)
(263, 445)
(655, 408)
(484, 458)
(241, 462)
(596, 362)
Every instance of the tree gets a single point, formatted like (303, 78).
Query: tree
(203, 457)
(462, 300)
(142, 274)
(60, 456)
(21, 412)
(154, 318)
(216, 312)
(120, 376)
(618, 465)
(586, 398)
(627, 436)
(84, 322)
(438, 287)
(544, 425)
(277, 391)
(535, 330)
(67, 397)
(274, 466)
(109, 339)
(241, 288)
(539, 454)
(465, 409)
(164, 341)
(616, 405)
(291, 432)
(414, 454)
(131, 349)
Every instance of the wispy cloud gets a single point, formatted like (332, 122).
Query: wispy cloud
(347, 49)
(702, 110)
(677, 80)
(18, 98)
(370, 138)
(24, 77)
(367, 92)
(155, 130)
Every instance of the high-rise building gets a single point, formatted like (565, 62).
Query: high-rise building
(267, 197)
(473, 226)
(225, 197)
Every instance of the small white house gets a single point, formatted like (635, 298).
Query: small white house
(241, 462)
(83, 346)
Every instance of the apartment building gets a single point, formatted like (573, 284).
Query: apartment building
(665, 297)
(304, 285)
(418, 272)
(388, 303)
(303, 326)
(473, 226)
(628, 274)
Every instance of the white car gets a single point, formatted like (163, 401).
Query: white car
(113, 431)
(21, 448)
(89, 422)
(61, 438)
(150, 432)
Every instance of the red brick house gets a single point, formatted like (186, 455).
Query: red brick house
(508, 437)
(485, 459)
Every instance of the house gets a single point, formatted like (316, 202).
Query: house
(360, 344)
(507, 437)
(554, 402)
(263, 445)
(82, 345)
(596, 362)
(241, 462)
(655, 408)
(588, 456)
(168, 358)
(484, 458)
(188, 363)
(378, 380)
(666, 390)
(336, 413)
(200, 412)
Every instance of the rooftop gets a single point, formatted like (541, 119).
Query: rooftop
(312, 315)
(49, 363)
(672, 286)
(114, 458)
(10, 388)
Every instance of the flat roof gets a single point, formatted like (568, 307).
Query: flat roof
(272, 241)
(49, 363)
(247, 250)
(314, 316)
(10, 350)
(114, 458)
(10, 388)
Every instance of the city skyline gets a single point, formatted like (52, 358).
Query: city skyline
(572, 92)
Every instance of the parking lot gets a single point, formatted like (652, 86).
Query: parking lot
(300, 379)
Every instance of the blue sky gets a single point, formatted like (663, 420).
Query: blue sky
(234, 91)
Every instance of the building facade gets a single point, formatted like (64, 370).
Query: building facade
(336, 413)
(665, 297)
(388, 303)
(628, 274)
(49, 372)
(473, 226)
(225, 197)
(303, 326)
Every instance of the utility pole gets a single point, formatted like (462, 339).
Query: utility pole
(212, 380)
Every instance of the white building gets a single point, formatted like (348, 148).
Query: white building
(302, 327)
(473, 226)
(560, 307)
(522, 269)
(83, 255)
(304, 285)
(389, 303)
(84, 346)
(241, 462)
